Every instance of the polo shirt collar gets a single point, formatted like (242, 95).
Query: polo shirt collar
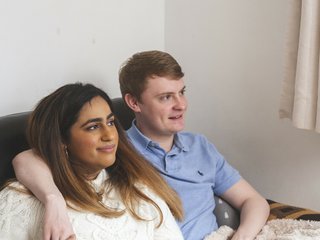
(144, 141)
(180, 143)
(138, 136)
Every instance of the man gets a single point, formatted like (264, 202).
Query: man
(152, 85)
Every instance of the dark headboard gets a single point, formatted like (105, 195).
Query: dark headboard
(13, 138)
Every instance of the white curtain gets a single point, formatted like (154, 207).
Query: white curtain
(300, 89)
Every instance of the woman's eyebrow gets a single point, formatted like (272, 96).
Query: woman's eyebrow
(110, 115)
(91, 121)
(97, 119)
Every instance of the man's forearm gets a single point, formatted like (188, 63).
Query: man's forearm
(253, 207)
(254, 214)
(33, 172)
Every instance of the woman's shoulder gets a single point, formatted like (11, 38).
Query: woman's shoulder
(15, 196)
(20, 212)
(150, 208)
(168, 229)
(147, 191)
(14, 190)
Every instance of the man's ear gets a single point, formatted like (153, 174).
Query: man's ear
(132, 102)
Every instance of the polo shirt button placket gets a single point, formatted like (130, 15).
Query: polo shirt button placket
(171, 163)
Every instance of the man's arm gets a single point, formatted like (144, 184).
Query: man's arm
(33, 172)
(254, 209)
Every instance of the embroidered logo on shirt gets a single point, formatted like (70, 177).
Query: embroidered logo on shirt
(200, 173)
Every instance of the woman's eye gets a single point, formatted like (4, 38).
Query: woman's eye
(93, 127)
(110, 123)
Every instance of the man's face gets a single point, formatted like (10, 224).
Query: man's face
(161, 107)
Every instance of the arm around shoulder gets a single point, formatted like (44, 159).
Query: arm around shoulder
(33, 172)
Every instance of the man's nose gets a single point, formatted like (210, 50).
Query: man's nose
(181, 103)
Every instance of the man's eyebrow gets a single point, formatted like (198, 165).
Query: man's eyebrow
(164, 93)
(97, 119)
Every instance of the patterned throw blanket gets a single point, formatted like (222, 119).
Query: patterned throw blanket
(279, 229)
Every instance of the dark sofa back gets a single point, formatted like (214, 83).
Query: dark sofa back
(13, 138)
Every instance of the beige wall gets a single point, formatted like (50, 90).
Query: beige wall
(231, 52)
(47, 43)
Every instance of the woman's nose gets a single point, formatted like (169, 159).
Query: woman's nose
(108, 134)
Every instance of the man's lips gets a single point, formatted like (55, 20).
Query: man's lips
(176, 117)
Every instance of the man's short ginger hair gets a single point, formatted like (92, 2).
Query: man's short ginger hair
(135, 72)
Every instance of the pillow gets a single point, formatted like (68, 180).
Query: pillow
(280, 210)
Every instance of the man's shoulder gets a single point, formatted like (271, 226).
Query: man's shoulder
(191, 138)
(198, 142)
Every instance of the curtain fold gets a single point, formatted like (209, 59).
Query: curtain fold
(299, 99)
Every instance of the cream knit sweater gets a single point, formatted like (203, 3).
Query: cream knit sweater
(21, 217)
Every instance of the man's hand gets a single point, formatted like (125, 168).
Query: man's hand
(239, 236)
(254, 209)
(57, 225)
(34, 173)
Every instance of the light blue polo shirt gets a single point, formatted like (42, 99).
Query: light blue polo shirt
(196, 171)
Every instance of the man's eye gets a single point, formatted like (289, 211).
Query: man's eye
(165, 97)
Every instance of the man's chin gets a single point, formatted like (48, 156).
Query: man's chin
(177, 129)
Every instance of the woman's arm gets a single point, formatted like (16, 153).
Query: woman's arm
(32, 172)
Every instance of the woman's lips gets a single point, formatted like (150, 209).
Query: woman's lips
(108, 148)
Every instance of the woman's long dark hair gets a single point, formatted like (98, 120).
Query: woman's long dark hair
(48, 131)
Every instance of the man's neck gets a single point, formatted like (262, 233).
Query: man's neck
(165, 141)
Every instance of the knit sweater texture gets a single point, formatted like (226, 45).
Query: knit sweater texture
(22, 217)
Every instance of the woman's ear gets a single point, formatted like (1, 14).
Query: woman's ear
(132, 102)
(65, 149)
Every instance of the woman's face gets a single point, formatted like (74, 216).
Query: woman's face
(93, 138)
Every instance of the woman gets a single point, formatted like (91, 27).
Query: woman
(111, 192)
